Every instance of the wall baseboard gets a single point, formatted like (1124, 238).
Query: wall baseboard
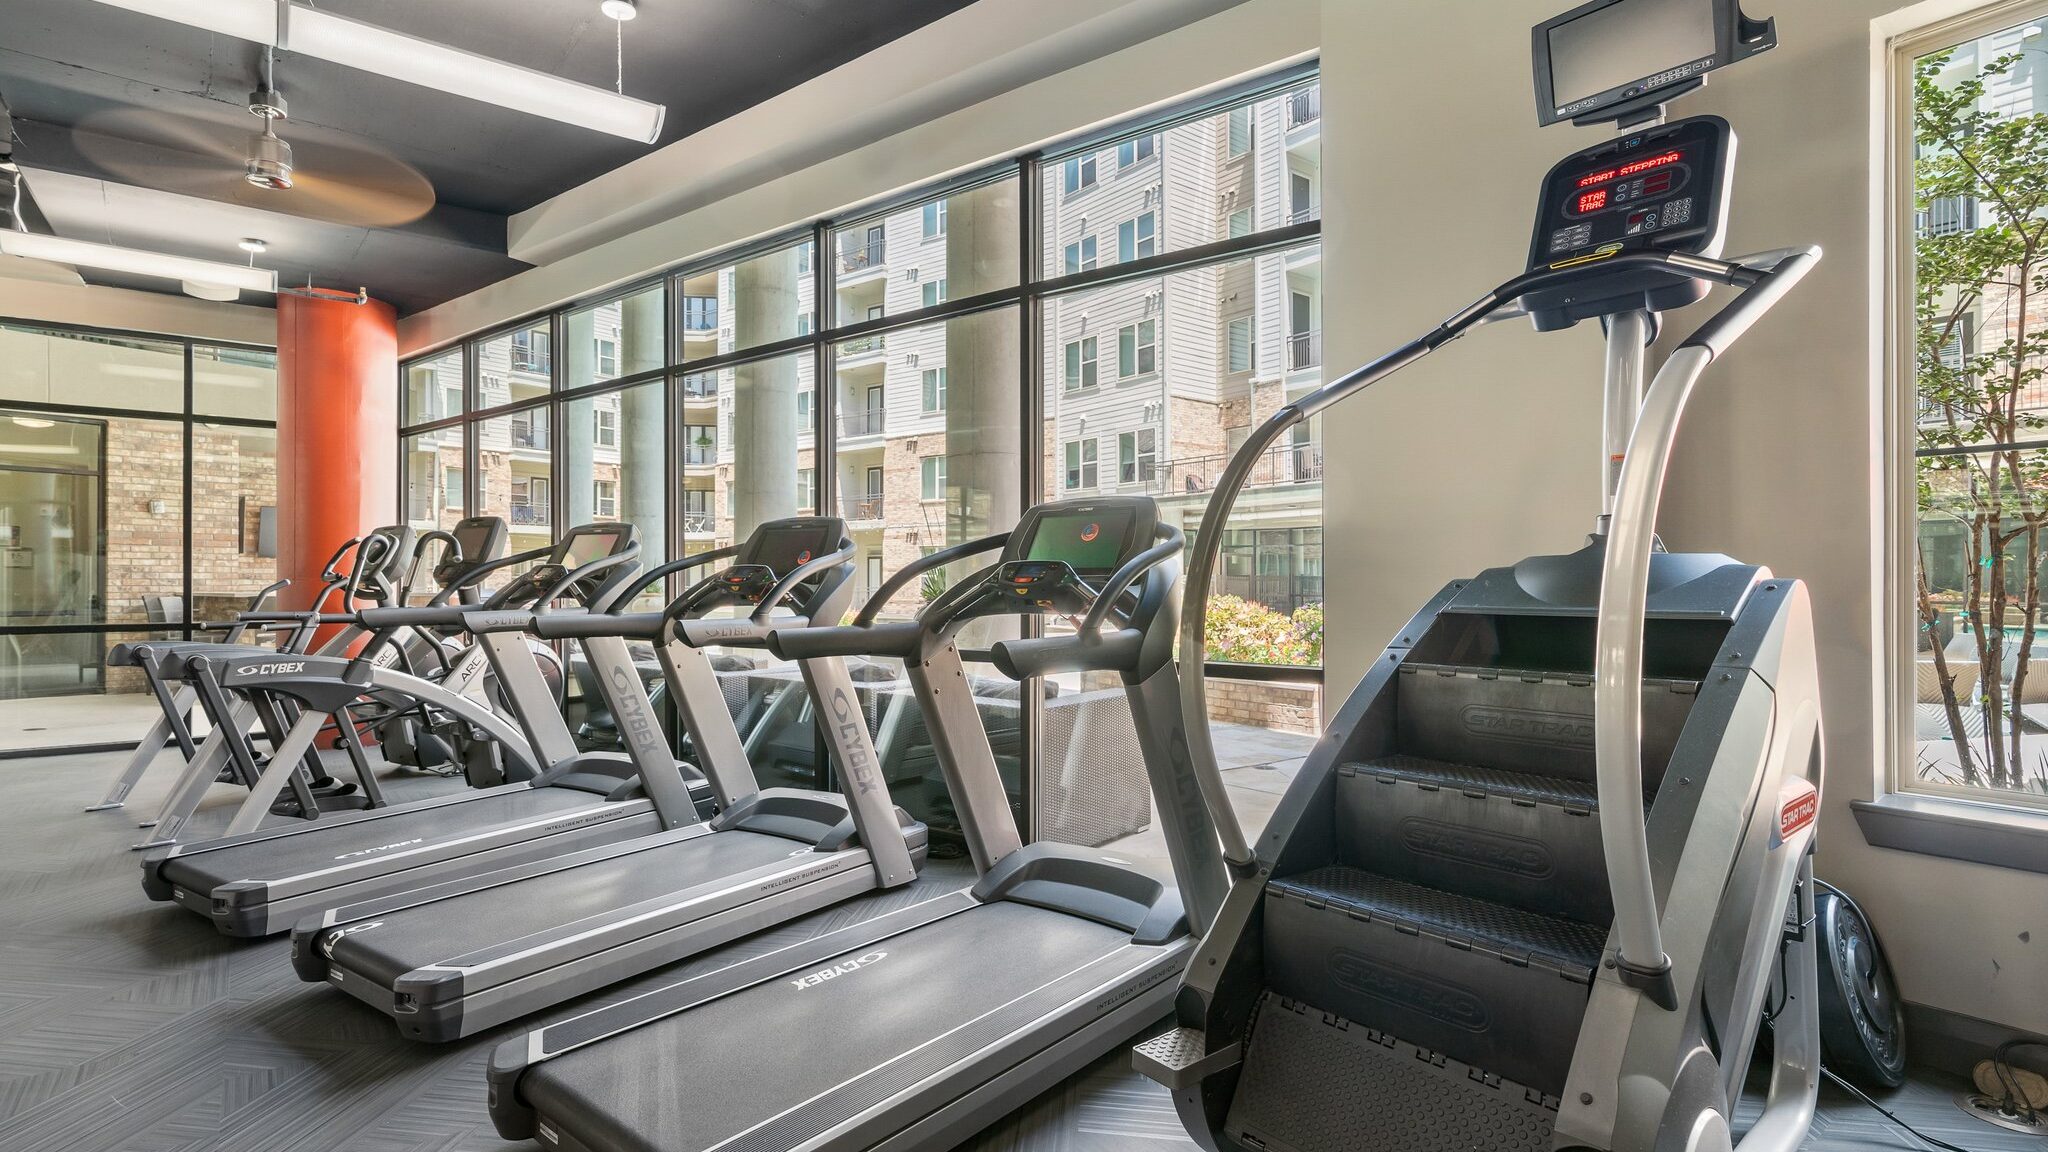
(1952, 1042)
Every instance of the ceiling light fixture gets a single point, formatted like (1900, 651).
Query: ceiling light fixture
(199, 289)
(620, 10)
(252, 245)
(34, 422)
(135, 261)
(322, 34)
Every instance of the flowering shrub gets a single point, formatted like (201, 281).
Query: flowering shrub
(1246, 632)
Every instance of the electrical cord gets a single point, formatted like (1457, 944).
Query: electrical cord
(1888, 1114)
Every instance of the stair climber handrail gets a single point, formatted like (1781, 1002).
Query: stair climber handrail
(1624, 598)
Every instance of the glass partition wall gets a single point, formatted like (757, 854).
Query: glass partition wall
(1110, 316)
(138, 497)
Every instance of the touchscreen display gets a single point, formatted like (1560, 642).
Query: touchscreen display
(583, 547)
(1090, 541)
(784, 550)
(1625, 42)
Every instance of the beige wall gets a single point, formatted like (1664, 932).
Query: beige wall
(1489, 451)
(90, 304)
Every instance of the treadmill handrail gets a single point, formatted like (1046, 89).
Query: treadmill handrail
(630, 554)
(788, 585)
(662, 572)
(475, 576)
(1624, 600)
(1503, 302)
(1170, 541)
(921, 565)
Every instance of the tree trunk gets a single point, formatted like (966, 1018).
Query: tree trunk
(1951, 708)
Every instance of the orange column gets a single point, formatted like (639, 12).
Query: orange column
(337, 421)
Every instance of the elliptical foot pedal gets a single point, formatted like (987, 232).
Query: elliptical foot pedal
(1180, 1058)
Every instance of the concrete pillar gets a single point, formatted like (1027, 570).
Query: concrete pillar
(643, 483)
(337, 456)
(764, 397)
(984, 428)
(578, 431)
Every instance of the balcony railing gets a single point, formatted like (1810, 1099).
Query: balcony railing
(701, 523)
(1305, 349)
(868, 423)
(863, 345)
(867, 507)
(1304, 107)
(530, 436)
(695, 453)
(700, 313)
(704, 387)
(534, 514)
(534, 360)
(860, 257)
(1281, 464)
(1303, 214)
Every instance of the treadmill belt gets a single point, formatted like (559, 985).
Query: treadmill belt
(445, 930)
(749, 1072)
(324, 844)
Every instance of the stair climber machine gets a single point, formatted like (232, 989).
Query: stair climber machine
(176, 671)
(452, 959)
(1548, 874)
(913, 1028)
(258, 881)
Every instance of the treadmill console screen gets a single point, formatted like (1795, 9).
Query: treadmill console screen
(583, 547)
(1093, 542)
(1640, 44)
(784, 550)
(477, 537)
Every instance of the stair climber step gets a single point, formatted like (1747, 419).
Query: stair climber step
(1499, 987)
(1315, 1082)
(1509, 837)
(1526, 721)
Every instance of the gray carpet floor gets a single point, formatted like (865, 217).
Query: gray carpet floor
(131, 1025)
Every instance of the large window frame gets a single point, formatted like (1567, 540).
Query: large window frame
(1036, 284)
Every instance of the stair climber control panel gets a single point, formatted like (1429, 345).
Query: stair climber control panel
(1663, 188)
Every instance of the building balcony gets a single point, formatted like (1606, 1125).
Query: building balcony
(531, 360)
(1304, 214)
(1304, 108)
(865, 350)
(862, 257)
(700, 315)
(530, 515)
(696, 455)
(863, 509)
(855, 425)
(699, 523)
(700, 389)
(1305, 350)
(533, 436)
(1281, 464)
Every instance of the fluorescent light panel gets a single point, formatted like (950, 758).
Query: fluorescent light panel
(134, 260)
(354, 44)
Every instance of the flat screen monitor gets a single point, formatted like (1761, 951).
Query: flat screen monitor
(583, 547)
(1091, 542)
(783, 550)
(1612, 59)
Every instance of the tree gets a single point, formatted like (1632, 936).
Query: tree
(1979, 353)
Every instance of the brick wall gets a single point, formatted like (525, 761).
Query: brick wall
(1279, 707)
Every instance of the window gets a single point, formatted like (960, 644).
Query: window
(807, 489)
(935, 219)
(934, 292)
(1081, 363)
(700, 444)
(1971, 678)
(1131, 152)
(604, 499)
(803, 324)
(935, 390)
(1240, 223)
(803, 410)
(1135, 239)
(803, 258)
(932, 474)
(1080, 255)
(607, 427)
(530, 350)
(607, 358)
(1137, 456)
(1240, 132)
(1239, 339)
(1080, 465)
(451, 486)
(1136, 349)
(700, 313)
(1079, 173)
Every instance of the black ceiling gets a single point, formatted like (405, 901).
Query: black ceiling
(71, 63)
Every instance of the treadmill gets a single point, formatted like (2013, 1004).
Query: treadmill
(451, 960)
(259, 881)
(914, 1028)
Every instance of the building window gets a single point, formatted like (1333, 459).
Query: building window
(700, 313)
(1081, 363)
(1240, 131)
(803, 258)
(935, 390)
(1137, 456)
(932, 476)
(1136, 239)
(530, 351)
(604, 499)
(1136, 151)
(529, 492)
(935, 219)
(1080, 255)
(803, 324)
(1080, 465)
(807, 489)
(1238, 337)
(1240, 223)
(803, 410)
(451, 400)
(1079, 173)
(1137, 351)
(607, 358)
(607, 422)
(1978, 663)
(700, 444)
(451, 487)
(934, 292)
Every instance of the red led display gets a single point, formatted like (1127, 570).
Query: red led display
(1592, 201)
(1632, 168)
